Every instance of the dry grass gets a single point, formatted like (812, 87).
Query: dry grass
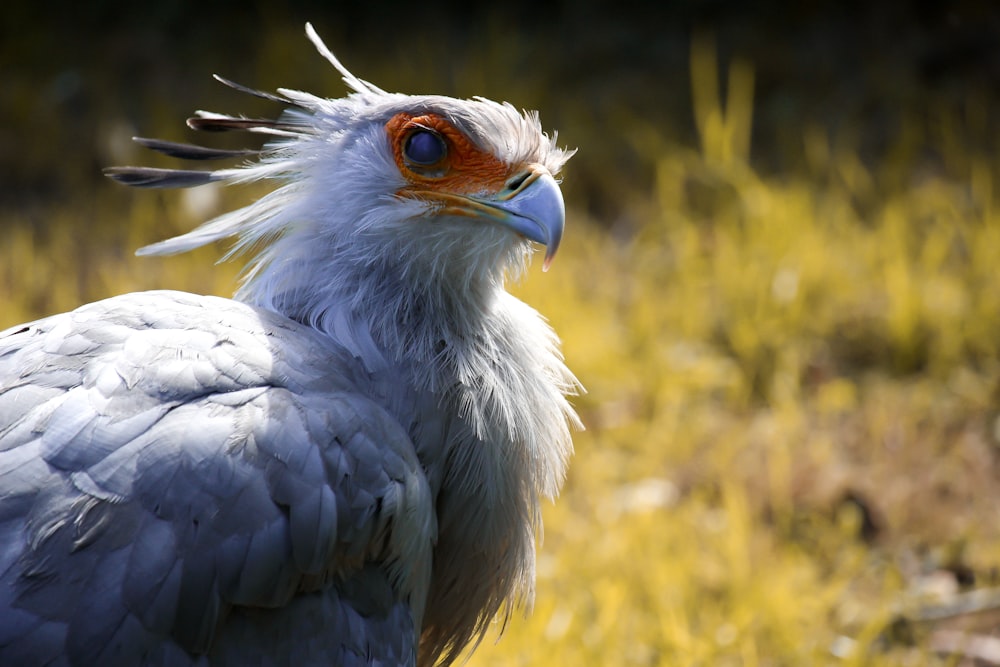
(791, 421)
(792, 412)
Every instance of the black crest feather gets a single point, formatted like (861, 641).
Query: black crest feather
(148, 177)
(191, 151)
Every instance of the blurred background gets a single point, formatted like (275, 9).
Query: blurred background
(779, 285)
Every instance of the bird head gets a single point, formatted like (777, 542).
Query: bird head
(453, 170)
(377, 190)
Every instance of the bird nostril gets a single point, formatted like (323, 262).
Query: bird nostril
(517, 181)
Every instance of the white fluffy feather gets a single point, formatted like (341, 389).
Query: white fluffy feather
(400, 288)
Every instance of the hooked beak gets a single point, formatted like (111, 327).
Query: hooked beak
(534, 208)
(531, 204)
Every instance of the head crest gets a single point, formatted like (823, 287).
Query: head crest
(359, 85)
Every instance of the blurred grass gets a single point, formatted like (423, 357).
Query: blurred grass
(792, 413)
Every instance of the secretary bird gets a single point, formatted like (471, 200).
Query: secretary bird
(341, 466)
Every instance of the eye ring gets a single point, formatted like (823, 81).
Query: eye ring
(424, 148)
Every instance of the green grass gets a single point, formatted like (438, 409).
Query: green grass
(792, 390)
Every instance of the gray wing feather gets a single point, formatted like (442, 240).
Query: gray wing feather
(169, 462)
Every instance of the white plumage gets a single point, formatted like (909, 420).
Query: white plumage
(343, 466)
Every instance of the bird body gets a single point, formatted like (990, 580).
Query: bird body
(342, 466)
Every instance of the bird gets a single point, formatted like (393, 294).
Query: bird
(344, 464)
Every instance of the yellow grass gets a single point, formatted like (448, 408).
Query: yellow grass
(791, 412)
(767, 359)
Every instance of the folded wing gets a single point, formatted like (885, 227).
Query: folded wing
(183, 476)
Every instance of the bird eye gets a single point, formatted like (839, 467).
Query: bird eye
(424, 147)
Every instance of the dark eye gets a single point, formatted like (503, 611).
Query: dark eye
(424, 147)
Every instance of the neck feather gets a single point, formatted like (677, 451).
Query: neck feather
(422, 293)
(452, 330)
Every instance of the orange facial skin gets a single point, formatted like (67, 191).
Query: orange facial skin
(464, 169)
(468, 182)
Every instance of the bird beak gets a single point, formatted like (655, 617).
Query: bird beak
(532, 205)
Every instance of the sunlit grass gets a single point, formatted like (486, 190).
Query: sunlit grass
(790, 417)
(772, 362)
